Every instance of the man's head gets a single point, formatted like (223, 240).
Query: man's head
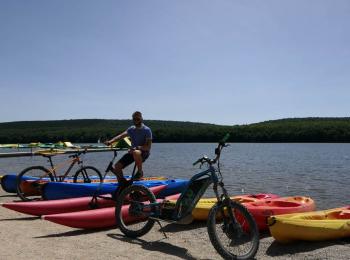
(137, 118)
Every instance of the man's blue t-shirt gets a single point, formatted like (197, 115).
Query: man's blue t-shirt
(139, 135)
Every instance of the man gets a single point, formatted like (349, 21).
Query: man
(141, 141)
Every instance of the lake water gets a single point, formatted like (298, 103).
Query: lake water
(320, 171)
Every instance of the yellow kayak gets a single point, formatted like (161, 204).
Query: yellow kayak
(9, 145)
(311, 226)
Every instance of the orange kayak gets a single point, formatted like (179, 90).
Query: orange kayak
(261, 210)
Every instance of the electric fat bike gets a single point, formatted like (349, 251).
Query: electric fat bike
(232, 229)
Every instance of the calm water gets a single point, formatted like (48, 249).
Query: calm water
(320, 171)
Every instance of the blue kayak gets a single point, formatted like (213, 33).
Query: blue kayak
(63, 190)
(8, 181)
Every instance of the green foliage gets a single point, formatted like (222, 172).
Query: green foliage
(296, 130)
(91, 130)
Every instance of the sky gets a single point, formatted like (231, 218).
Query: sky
(224, 62)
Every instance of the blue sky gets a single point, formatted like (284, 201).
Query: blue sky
(223, 62)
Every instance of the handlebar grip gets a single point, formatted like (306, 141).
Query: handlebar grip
(226, 137)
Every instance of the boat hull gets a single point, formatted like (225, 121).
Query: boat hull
(102, 218)
(261, 206)
(59, 190)
(263, 209)
(311, 226)
(39, 208)
(201, 210)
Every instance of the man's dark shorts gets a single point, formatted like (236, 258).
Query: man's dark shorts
(128, 158)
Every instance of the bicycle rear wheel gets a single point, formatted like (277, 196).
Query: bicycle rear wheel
(233, 231)
(133, 219)
(30, 180)
(88, 174)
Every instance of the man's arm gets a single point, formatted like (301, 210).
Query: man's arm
(147, 146)
(117, 138)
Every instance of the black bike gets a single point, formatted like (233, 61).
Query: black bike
(232, 229)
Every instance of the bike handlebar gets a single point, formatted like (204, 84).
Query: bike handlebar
(77, 154)
(218, 149)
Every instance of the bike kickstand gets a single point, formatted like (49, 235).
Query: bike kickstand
(161, 227)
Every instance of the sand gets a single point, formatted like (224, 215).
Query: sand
(26, 237)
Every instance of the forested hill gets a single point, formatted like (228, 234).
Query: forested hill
(90, 130)
(333, 129)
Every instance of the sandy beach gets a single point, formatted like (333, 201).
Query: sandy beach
(26, 237)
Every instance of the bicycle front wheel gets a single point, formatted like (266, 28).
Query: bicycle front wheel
(30, 180)
(233, 231)
(88, 174)
(132, 211)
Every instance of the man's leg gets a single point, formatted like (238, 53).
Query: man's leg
(118, 170)
(137, 154)
(126, 160)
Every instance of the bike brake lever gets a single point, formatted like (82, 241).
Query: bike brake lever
(196, 162)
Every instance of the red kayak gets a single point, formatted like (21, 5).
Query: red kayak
(88, 219)
(105, 218)
(39, 208)
(261, 210)
(91, 219)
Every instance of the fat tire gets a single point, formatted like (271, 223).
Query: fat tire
(45, 171)
(215, 239)
(118, 211)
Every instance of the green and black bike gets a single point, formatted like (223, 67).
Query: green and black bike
(232, 229)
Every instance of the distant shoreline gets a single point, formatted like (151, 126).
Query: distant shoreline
(294, 130)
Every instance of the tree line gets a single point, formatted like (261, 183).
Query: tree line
(92, 130)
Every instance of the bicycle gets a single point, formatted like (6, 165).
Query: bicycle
(232, 229)
(28, 182)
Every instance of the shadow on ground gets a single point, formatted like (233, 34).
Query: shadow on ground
(278, 249)
(73, 233)
(173, 228)
(159, 246)
(20, 218)
(9, 196)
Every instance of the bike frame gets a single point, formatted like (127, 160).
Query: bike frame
(197, 186)
(73, 161)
